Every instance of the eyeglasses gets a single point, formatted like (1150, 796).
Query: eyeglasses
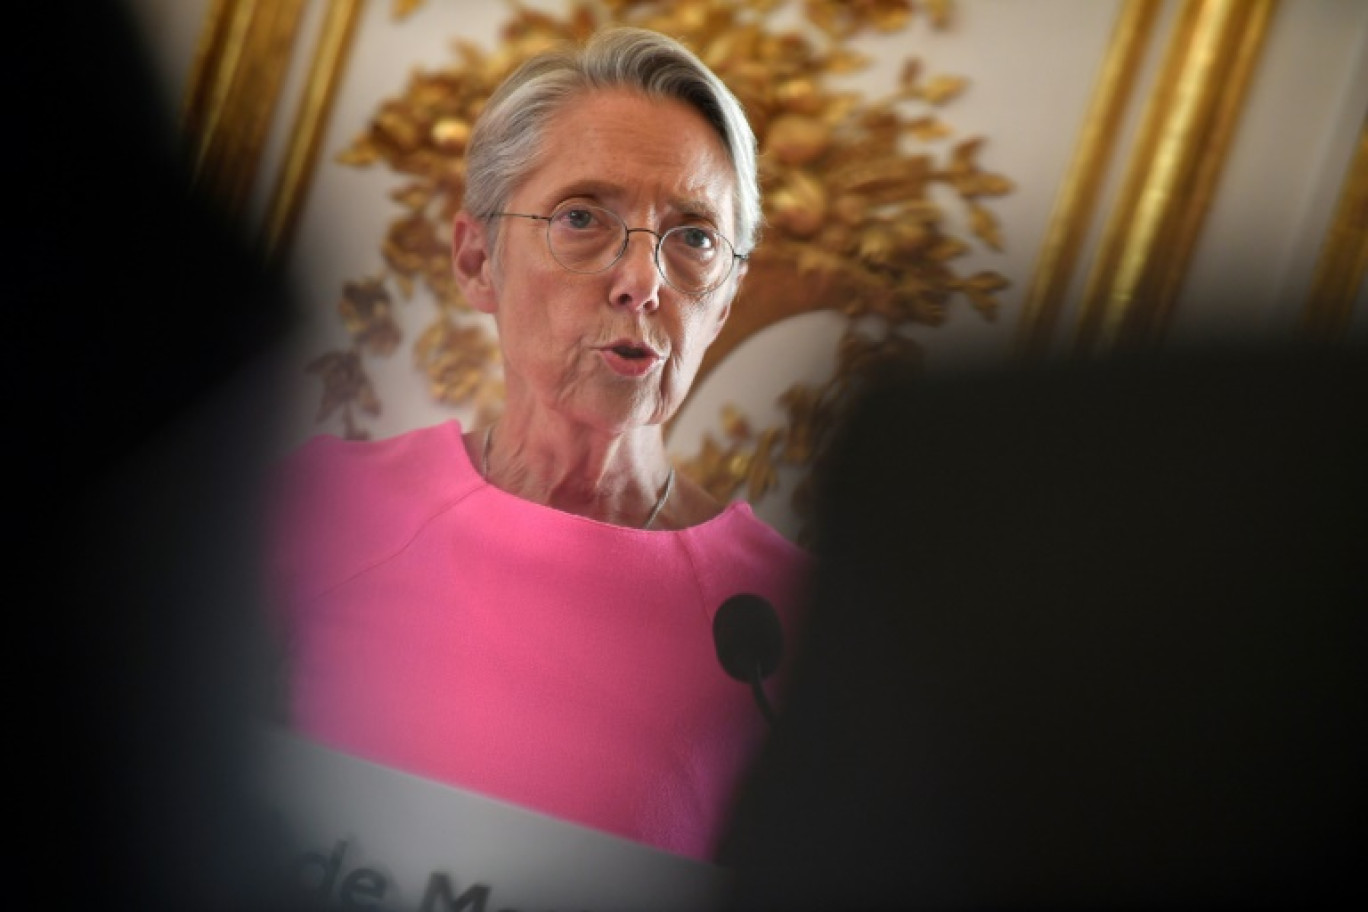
(692, 259)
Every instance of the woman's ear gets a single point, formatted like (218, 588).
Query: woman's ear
(472, 263)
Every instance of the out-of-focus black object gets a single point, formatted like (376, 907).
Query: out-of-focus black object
(138, 412)
(749, 643)
(1084, 636)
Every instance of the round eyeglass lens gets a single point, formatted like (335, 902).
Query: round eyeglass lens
(585, 238)
(692, 258)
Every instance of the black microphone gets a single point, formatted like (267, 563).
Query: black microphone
(749, 642)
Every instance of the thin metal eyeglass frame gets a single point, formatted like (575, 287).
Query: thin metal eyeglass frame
(627, 239)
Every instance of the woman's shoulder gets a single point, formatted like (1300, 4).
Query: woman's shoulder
(740, 552)
(416, 456)
(337, 503)
(328, 480)
(739, 526)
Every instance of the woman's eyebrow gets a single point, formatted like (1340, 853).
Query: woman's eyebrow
(606, 191)
(598, 189)
(697, 208)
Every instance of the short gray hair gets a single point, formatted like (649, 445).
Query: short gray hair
(505, 144)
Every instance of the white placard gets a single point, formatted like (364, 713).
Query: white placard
(361, 835)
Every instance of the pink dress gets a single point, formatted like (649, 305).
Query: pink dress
(441, 626)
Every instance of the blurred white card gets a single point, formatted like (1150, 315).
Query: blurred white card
(361, 835)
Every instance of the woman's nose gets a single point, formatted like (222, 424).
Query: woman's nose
(636, 281)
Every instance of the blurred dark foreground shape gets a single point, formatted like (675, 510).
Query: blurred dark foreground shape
(141, 406)
(1086, 636)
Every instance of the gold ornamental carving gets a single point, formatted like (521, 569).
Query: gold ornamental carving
(858, 194)
(1343, 261)
(1170, 181)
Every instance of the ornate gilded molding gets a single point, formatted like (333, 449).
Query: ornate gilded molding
(235, 84)
(1077, 199)
(1343, 262)
(1182, 146)
(220, 46)
(325, 72)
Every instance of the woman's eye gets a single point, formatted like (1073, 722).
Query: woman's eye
(697, 238)
(577, 218)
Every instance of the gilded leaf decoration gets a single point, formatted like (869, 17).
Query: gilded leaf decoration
(367, 316)
(345, 386)
(855, 193)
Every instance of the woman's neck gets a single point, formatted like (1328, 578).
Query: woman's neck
(617, 478)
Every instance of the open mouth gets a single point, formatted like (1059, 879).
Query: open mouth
(631, 352)
(630, 358)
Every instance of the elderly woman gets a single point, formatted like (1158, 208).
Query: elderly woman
(526, 609)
